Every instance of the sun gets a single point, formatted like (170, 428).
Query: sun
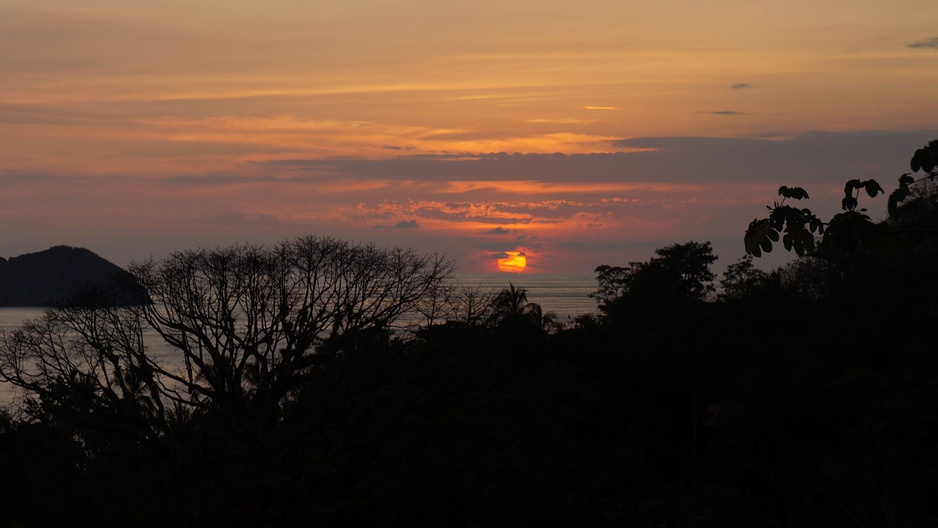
(513, 262)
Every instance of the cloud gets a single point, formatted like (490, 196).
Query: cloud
(927, 43)
(507, 254)
(563, 121)
(811, 156)
(599, 108)
(740, 86)
(724, 113)
(10, 177)
(618, 205)
(403, 224)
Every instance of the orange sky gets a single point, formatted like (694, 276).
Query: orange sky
(578, 133)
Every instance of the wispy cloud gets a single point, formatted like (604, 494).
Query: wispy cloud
(640, 199)
(564, 121)
(403, 224)
(724, 113)
(599, 108)
(740, 86)
(927, 43)
(10, 177)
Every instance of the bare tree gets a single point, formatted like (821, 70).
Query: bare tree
(245, 325)
(86, 365)
(473, 305)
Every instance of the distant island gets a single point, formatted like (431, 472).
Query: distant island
(55, 275)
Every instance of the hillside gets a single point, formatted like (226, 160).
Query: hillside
(50, 276)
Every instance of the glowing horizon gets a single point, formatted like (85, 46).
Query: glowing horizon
(586, 134)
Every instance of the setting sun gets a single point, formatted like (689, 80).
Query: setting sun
(513, 262)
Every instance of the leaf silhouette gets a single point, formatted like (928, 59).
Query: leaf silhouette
(759, 237)
(795, 193)
(872, 188)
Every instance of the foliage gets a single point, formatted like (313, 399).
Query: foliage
(847, 233)
(742, 280)
(678, 272)
(924, 159)
(246, 324)
(799, 226)
(511, 306)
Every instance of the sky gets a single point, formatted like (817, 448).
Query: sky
(574, 133)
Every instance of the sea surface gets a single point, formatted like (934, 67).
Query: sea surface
(566, 296)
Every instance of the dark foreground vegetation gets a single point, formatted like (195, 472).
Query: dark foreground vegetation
(299, 394)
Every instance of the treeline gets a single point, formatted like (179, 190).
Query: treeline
(301, 393)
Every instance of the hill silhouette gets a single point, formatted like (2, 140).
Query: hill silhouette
(53, 275)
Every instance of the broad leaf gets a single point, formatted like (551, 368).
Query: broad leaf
(759, 237)
(898, 195)
(925, 158)
(872, 188)
(851, 186)
(795, 193)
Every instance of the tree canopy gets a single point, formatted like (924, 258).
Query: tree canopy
(679, 272)
(245, 325)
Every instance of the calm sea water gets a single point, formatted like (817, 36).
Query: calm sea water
(11, 318)
(567, 296)
(564, 295)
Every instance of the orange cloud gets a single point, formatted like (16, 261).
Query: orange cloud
(528, 187)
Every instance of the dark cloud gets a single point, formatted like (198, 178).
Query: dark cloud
(10, 177)
(530, 244)
(831, 157)
(504, 254)
(740, 86)
(226, 178)
(821, 157)
(927, 43)
(498, 231)
(724, 113)
(403, 224)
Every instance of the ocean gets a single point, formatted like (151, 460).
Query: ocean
(566, 296)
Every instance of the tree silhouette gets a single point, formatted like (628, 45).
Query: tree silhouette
(846, 234)
(245, 325)
(511, 305)
(742, 280)
(511, 302)
(679, 272)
